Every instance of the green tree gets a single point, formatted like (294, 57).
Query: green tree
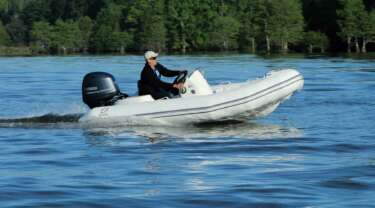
(350, 20)
(148, 23)
(189, 25)
(13, 7)
(260, 13)
(85, 25)
(251, 21)
(64, 36)
(108, 40)
(264, 14)
(36, 10)
(216, 28)
(286, 23)
(18, 5)
(4, 5)
(58, 8)
(368, 30)
(121, 40)
(152, 33)
(17, 31)
(4, 37)
(316, 40)
(41, 36)
(102, 40)
(94, 7)
(180, 24)
(225, 35)
(108, 34)
(76, 9)
(206, 12)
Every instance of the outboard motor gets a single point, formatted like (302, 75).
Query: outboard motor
(100, 89)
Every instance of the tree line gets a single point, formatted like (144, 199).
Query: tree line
(99, 26)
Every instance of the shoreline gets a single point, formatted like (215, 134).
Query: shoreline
(27, 52)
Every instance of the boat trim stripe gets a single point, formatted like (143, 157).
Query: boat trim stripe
(232, 102)
(244, 102)
(233, 105)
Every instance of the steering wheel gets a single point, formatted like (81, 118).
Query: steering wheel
(181, 78)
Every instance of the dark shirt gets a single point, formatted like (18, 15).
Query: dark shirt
(150, 79)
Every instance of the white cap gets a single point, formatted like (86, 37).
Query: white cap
(150, 54)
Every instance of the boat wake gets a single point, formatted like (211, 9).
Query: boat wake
(219, 129)
(49, 120)
(223, 129)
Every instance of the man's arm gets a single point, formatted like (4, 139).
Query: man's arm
(155, 81)
(166, 72)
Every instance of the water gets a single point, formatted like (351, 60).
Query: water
(315, 150)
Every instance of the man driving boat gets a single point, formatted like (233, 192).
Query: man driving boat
(150, 82)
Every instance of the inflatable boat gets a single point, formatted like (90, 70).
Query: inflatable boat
(198, 102)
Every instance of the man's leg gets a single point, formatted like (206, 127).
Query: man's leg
(161, 93)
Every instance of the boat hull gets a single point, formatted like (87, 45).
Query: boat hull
(246, 100)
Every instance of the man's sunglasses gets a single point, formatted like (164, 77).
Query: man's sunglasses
(152, 58)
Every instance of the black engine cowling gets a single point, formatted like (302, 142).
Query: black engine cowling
(100, 89)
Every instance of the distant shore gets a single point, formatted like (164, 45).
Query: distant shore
(16, 51)
(25, 51)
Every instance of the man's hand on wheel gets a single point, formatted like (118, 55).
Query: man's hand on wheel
(178, 85)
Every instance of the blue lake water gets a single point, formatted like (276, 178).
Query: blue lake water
(316, 150)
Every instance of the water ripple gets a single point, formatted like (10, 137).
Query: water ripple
(315, 150)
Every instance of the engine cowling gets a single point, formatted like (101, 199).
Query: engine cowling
(100, 89)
